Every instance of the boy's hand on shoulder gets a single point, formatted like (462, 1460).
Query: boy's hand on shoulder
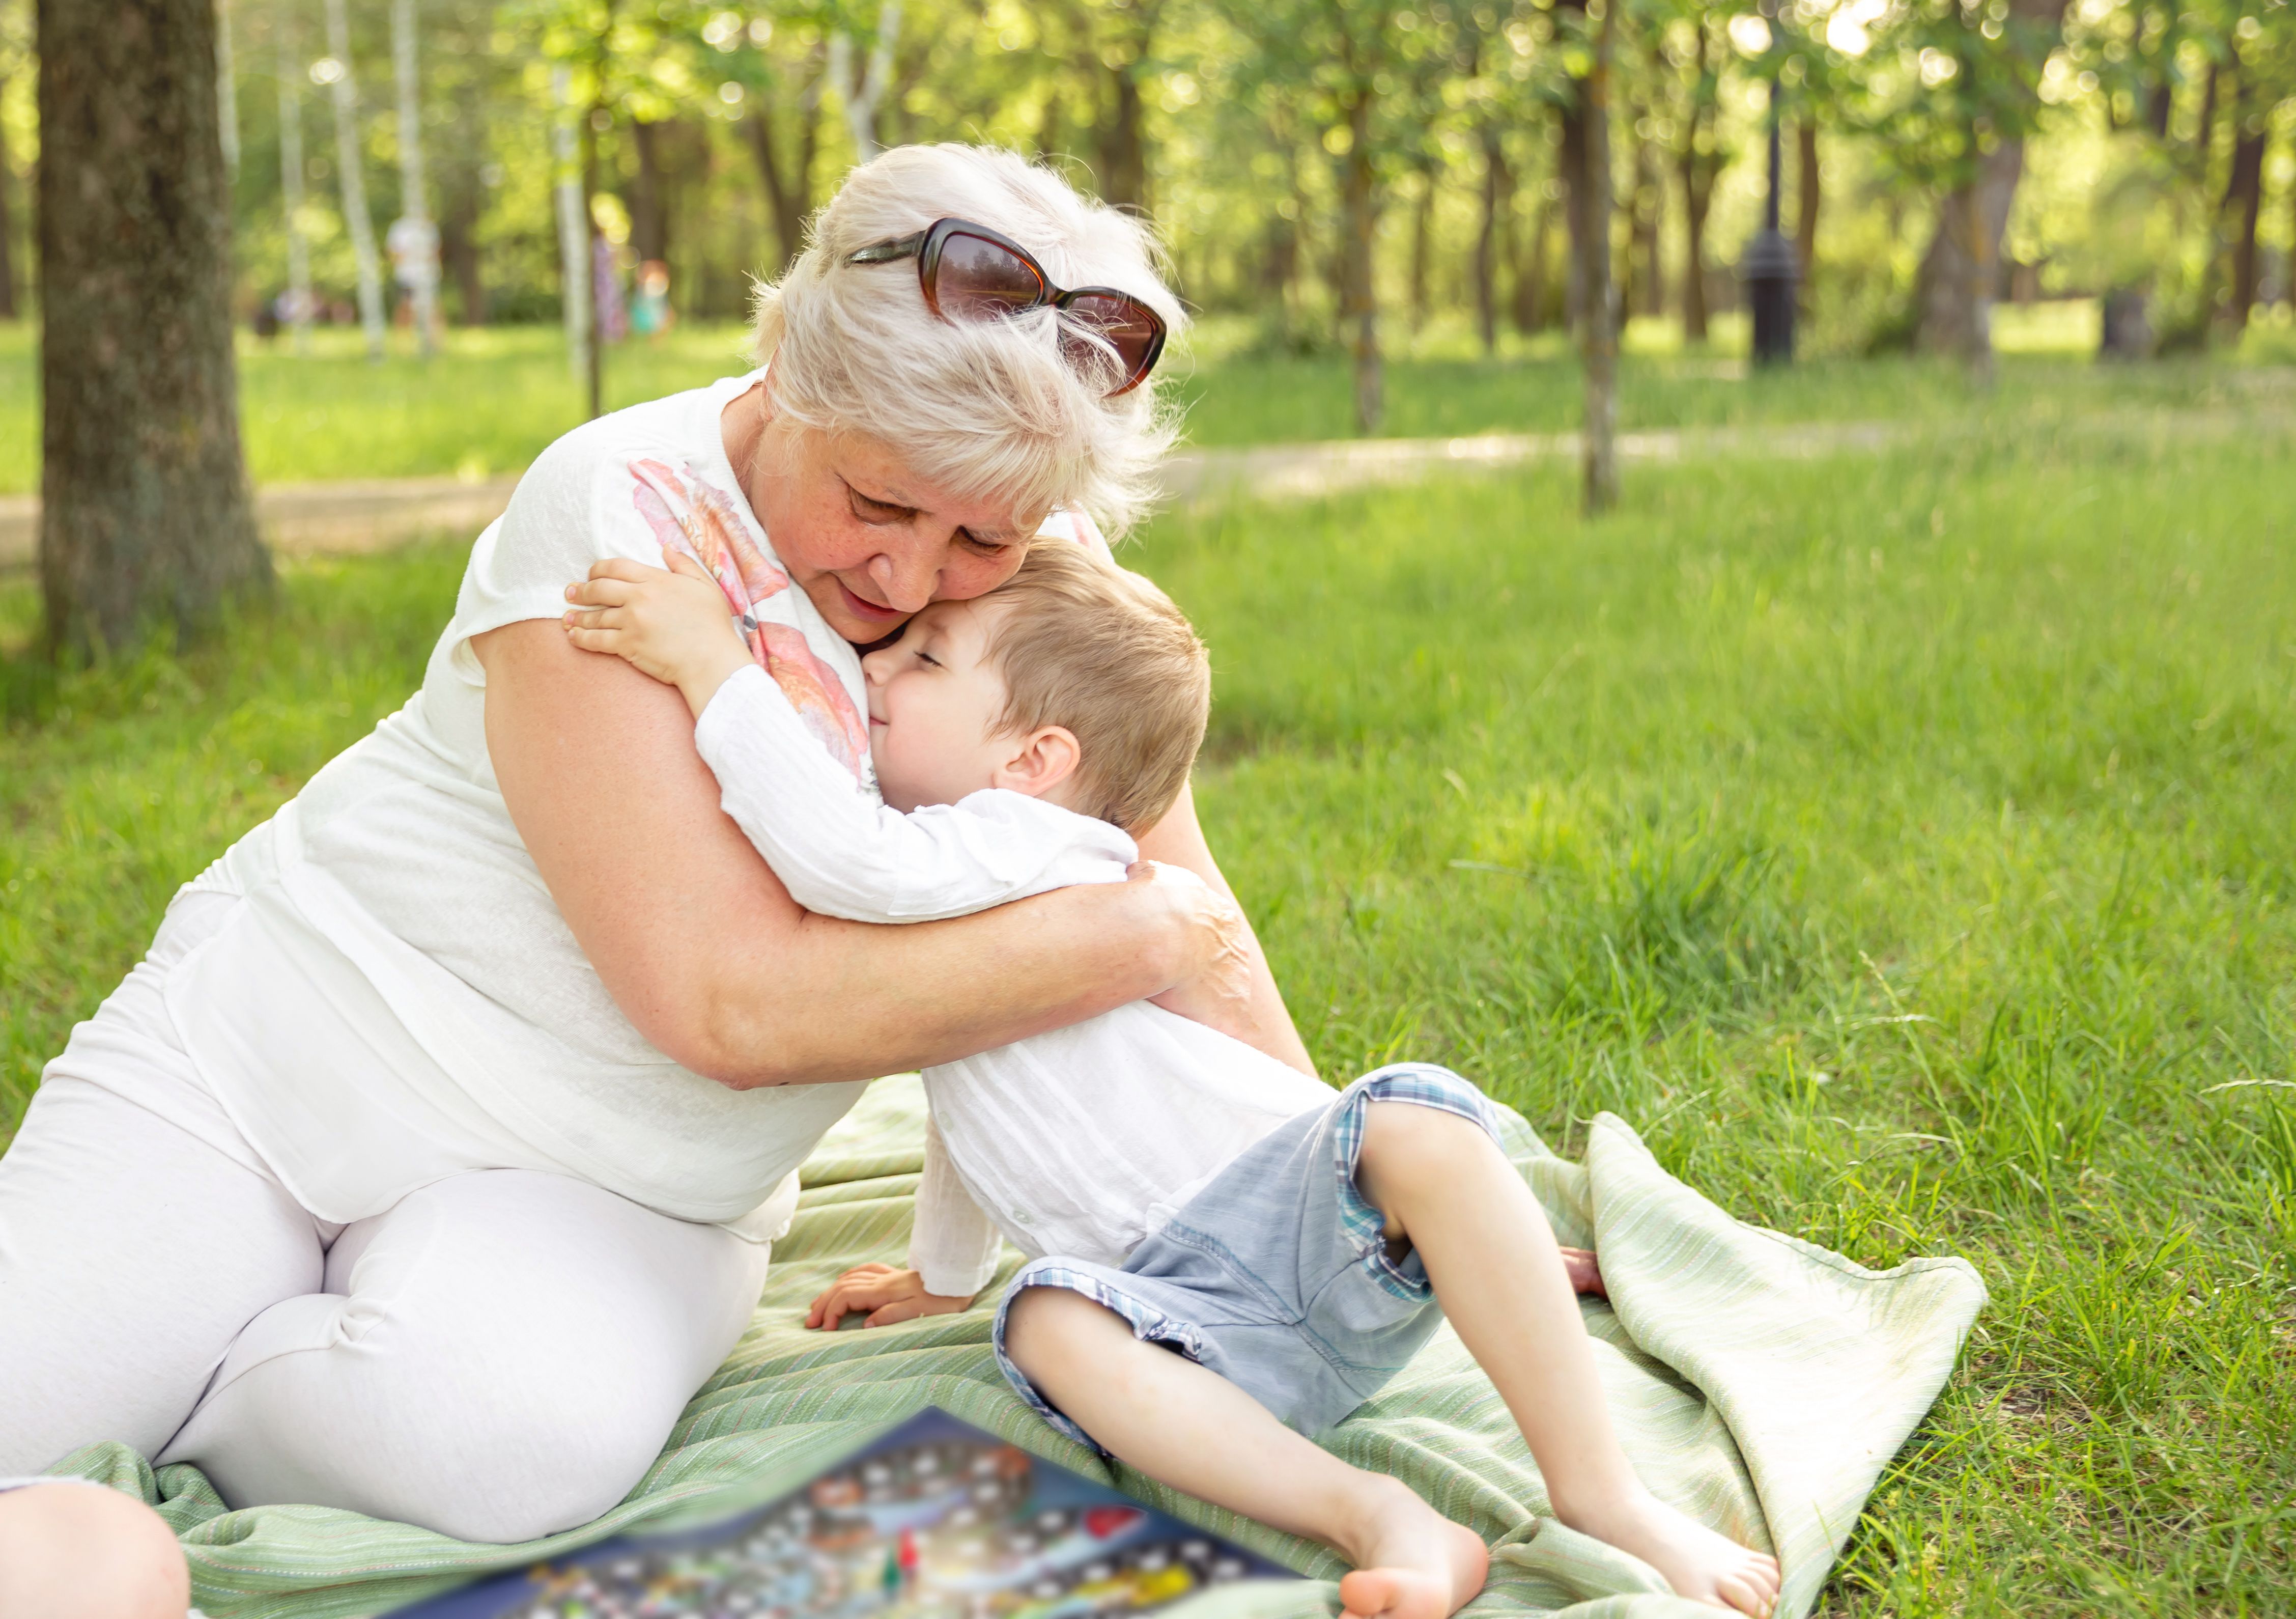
(887, 1293)
(673, 624)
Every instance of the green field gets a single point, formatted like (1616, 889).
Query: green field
(1902, 842)
(495, 398)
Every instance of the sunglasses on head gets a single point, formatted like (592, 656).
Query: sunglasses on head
(972, 271)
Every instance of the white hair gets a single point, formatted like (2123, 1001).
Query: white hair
(987, 409)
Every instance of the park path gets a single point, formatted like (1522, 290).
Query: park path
(315, 519)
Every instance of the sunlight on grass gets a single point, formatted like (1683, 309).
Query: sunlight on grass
(497, 396)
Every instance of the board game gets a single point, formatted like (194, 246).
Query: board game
(935, 1519)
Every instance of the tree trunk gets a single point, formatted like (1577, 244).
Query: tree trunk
(1531, 295)
(2244, 200)
(2204, 136)
(1697, 197)
(1279, 262)
(1956, 283)
(649, 207)
(1279, 265)
(595, 262)
(575, 295)
(1646, 290)
(1699, 164)
(1570, 164)
(1954, 290)
(350, 159)
(8, 310)
(2125, 325)
(145, 517)
(458, 247)
(291, 78)
(1808, 193)
(863, 83)
(1123, 154)
(414, 241)
(1422, 213)
(790, 193)
(1358, 302)
(792, 197)
(1497, 189)
(1598, 340)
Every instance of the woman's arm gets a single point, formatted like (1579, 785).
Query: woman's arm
(1263, 1021)
(705, 952)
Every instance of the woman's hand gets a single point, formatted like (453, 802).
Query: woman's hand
(705, 952)
(887, 1293)
(673, 625)
(1178, 840)
(1214, 982)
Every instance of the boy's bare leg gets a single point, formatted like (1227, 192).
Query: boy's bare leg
(68, 1551)
(1194, 1430)
(1448, 1190)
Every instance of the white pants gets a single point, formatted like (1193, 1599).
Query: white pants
(497, 1356)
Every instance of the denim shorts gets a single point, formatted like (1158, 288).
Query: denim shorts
(1276, 1275)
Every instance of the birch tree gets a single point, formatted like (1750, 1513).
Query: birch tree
(290, 181)
(335, 70)
(414, 239)
(861, 80)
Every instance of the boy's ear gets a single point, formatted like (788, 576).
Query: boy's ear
(1039, 762)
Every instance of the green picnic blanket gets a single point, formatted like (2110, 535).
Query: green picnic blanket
(1759, 1382)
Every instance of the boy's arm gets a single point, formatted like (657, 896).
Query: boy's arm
(838, 853)
(841, 855)
(953, 1254)
(952, 1247)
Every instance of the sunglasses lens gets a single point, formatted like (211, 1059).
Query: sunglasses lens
(1124, 324)
(979, 278)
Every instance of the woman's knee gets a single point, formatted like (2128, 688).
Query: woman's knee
(506, 1360)
(69, 1552)
(462, 1424)
(521, 1480)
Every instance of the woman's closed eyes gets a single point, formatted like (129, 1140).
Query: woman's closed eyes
(877, 512)
(883, 513)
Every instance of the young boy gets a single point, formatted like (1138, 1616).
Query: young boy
(1176, 1189)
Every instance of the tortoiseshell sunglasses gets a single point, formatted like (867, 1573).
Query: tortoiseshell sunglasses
(971, 270)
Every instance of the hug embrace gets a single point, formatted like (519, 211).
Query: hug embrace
(789, 732)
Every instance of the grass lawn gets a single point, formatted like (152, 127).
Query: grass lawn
(489, 404)
(1901, 843)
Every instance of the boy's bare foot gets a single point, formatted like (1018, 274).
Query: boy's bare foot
(1586, 1273)
(1412, 1562)
(1701, 1565)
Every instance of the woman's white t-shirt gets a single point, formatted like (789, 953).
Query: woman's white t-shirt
(397, 997)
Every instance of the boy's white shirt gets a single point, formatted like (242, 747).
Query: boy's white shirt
(1076, 1142)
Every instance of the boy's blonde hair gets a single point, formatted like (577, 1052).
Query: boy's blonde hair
(1084, 644)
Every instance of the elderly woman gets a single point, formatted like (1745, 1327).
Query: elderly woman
(432, 1159)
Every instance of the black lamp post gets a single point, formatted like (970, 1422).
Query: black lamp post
(1770, 267)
